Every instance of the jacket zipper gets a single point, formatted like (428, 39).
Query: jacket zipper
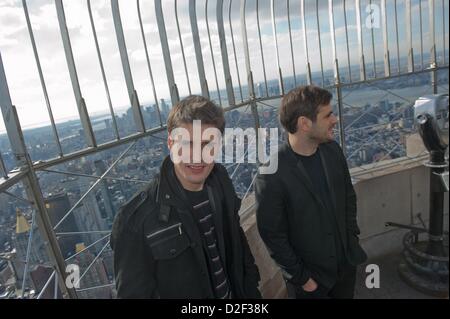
(165, 229)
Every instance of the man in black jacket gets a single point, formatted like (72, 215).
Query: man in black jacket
(180, 237)
(306, 211)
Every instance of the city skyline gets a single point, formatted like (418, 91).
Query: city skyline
(121, 110)
(27, 93)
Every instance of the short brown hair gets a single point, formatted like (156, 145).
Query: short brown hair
(196, 107)
(302, 101)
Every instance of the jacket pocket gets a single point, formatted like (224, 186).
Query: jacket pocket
(168, 243)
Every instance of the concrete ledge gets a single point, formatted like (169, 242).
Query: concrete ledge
(272, 284)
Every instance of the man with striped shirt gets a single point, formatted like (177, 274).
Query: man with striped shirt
(180, 237)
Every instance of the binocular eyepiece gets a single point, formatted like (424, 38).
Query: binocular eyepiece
(431, 116)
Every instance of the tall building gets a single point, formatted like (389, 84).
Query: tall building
(57, 207)
(94, 278)
(108, 125)
(259, 90)
(164, 107)
(152, 115)
(384, 105)
(100, 168)
(39, 277)
(88, 215)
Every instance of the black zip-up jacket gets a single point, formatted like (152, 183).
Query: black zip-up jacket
(157, 245)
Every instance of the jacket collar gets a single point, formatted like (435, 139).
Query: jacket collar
(170, 191)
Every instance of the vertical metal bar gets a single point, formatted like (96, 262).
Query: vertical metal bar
(421, 34)
(340, 105)
(102, 69)
(41, 77)
(433, 64)
(234, 51)
(305, 40)
(14, 134)
(182, 47)
(409, 36)
(174, 96)
(31, 182)
(34, 192)
(373, 48)
(277, 54)
(132, 94)
(212, 53)
(444, 37)
(254, 110)
(198, 48)
(346, 40)
(261, 48)
(333, 40)
(251, 88)
(387, 61)
(55, 291)
(337, 79)
(3, 171)
(27, 258)
(431, 14)
(224, 53)
(396, 36)
(149, 66)
(81, 105)
(290, 41)
(362, 63)
(320, 42)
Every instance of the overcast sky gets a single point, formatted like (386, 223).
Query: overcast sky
(27, 94)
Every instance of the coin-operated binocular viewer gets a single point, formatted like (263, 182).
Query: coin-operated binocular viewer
(425, 265)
